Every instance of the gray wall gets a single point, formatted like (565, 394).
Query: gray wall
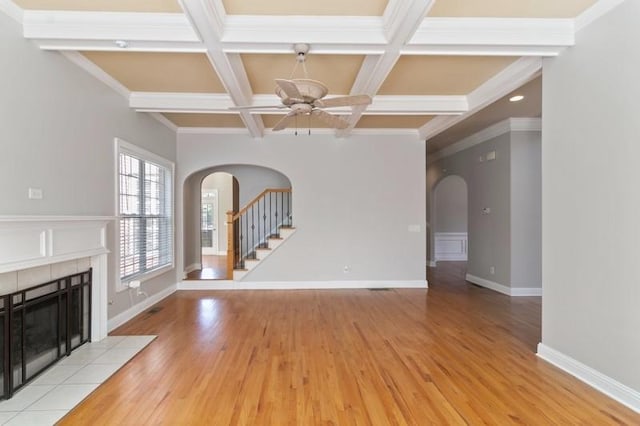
(526, 210)
(451, 205)
(488, 186)
(508, 238)
(353, 200)
(252, 180)
(58, 125)
(591, 200)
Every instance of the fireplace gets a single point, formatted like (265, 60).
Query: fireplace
(53, 272)
(40, 325)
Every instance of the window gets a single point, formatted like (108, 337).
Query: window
(145, 207)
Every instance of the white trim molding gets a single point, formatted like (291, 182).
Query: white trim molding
(450, 246)
(598, 9)
(605, 384)
(12, 10)
(138, 308)
(493, 131)
(500, 288)
(297, 285)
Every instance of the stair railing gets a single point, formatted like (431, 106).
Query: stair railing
(250, 228)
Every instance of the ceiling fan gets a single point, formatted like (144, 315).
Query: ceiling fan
(305, 97)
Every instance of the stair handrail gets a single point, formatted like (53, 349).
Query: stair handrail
(232, 217)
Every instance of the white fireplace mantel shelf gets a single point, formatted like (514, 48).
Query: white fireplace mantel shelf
(32, 241)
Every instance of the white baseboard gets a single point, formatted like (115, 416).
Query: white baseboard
(222, 253)
(526, 291)
(432, 264)
(192, 267)
(296, 285)
(605, 384)
(509, 291)
(125, 316)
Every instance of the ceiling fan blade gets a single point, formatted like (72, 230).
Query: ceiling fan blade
(332, 120)
(343, 101)
(282, 124)
(241, 108)
(289, 88)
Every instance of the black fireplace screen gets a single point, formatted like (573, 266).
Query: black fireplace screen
(40, 325)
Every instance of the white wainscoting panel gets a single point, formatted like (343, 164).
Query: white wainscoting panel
(451, 246)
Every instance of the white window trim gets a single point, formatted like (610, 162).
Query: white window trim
(122, 146)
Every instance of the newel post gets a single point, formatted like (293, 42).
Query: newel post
(230, 246)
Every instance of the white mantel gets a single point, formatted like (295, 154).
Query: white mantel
(32, 241)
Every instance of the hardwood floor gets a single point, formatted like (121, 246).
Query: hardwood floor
(453, 354)
(213, 268)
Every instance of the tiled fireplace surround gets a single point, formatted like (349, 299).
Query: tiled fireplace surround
(38, 249)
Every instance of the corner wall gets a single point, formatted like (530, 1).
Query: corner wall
(353, 202)
(59, 125)
(591, 200)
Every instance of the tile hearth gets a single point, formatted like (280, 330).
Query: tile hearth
(63, 386)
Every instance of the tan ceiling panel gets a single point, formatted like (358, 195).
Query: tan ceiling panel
(530, 106)
(305, 7)
(164, 6)
(510, 8)
(392, 121)
(301, 122)
(159, 72)
(337, 72)
(205, 120)
(442, 75)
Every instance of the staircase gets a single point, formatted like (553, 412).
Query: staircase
(257, 230)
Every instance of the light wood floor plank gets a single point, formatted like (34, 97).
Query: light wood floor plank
(454, 354)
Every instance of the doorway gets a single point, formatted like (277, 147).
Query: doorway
(451, 224)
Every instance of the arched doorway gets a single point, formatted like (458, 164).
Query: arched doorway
(206, 203)
(450, 224)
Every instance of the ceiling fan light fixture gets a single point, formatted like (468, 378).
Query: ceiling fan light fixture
(516, 98)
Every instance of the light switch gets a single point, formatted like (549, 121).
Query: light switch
(491, 156)
(414, 228)
(35, 193)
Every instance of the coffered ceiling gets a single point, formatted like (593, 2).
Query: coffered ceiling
(431, 66)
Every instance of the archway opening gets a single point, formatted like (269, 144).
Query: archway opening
(208, 195)
(451, 240)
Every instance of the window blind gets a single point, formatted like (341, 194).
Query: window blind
(145, 208)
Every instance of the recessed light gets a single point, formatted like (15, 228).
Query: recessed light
(121, 44)
(516, 98)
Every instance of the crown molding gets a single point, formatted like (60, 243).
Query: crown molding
(12, 10)
(515, 75)
(212, 131)
(598, 9)
(164, 121)
(505, 126)
(492, 36)
(84, 63)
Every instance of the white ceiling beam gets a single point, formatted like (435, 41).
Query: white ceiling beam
(401, 19)
(172, 32)
(220, 104)
(207, 17)
(515, 75)
(490, 36)
(71, 30)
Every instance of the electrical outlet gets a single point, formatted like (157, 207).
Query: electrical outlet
(492, 270)
(35, 193)
(346, 269)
